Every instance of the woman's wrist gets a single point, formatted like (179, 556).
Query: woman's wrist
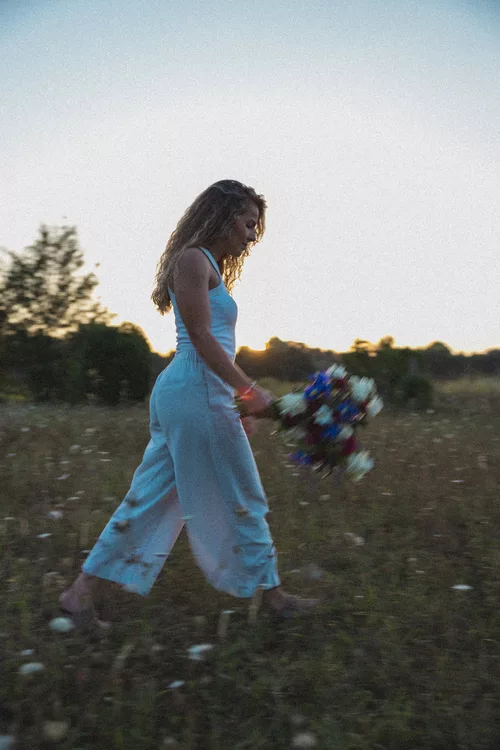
(246, 391)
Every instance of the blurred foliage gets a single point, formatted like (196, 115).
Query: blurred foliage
(57, 341)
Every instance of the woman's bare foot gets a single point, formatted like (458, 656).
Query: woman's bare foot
(77, 603)
(286, 605)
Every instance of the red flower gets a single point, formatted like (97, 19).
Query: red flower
(349, 446)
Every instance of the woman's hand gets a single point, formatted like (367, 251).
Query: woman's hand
(257, 400)
(249, 425)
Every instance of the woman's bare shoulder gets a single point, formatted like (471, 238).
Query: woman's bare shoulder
(192, 267)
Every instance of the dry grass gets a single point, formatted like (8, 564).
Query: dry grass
(396, 658)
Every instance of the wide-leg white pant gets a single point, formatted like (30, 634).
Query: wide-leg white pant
(198, 471)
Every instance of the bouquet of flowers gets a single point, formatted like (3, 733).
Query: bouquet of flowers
(320, 421)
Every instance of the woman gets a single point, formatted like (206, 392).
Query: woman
(198, 469)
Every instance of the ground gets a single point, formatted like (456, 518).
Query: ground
(396, 657)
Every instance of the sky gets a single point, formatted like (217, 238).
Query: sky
(370, 126)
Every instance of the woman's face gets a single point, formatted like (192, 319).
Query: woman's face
(243, 231)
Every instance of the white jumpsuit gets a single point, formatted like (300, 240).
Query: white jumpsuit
(198, 471)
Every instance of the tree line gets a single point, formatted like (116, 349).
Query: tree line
(58, 343)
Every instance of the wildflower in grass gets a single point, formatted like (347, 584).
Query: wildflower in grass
(55, 730)
(358, 540)
(304, 740)
(55, 515)
(61, 625)
(31, 667)
(197, 653)
(43, 536)
(462, 587)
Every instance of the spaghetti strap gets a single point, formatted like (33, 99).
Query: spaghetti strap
(212, 260)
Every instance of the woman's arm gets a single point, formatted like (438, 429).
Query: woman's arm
(191, 292)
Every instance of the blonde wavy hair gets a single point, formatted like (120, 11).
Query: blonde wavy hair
(208, 219)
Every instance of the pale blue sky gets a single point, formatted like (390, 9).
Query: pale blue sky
(371, 127)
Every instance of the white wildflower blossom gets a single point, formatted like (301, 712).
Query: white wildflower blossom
(462, 587)
(176, 684)
(358, 464)
(61, 625)
(55, 515)
(361, 388)
(55, 730)
(31, 667)
(304, 741)
(197, 653)
(357, 540)
(324, 415)
(292, 404)
(345, 433)
(375, 406)
(336, 371)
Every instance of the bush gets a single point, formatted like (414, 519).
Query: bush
(414, 390)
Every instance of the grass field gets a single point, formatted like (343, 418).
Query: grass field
(395, 658)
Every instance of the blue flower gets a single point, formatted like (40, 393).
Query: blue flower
(331, 432)
(301, 457)
(347, 411)
(320, 386)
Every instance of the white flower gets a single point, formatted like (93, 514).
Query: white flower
(55, 730)
(292, 404)
(358, 464)
(304, 740)
(54, 514)
(361, 388)
(31, 667)
(358, 540)
(324, 415)
(176, 684)
(337, 371)
(462, 587)
(196, 653)
(61, 625)
(375, 406)
(345, 433)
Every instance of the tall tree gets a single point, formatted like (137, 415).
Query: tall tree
(41, 291)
